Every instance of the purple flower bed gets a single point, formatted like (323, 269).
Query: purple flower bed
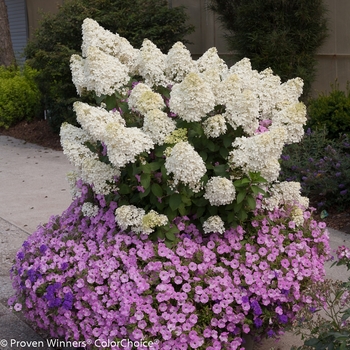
(82, 278)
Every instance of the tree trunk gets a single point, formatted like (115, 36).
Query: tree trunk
(7, 56)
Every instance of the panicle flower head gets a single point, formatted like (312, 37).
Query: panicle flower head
(179, 63)
(150, 64)
(158, 126)
(219, 191)
(192, 99)
(186, 165)
(215, 126)
(143, 99)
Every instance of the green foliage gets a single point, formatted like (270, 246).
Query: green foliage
(19, 95)
(322, 166)
(59, 36)
(331, 111)
(280, 34)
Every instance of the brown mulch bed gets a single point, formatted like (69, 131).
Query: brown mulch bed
(40, 133)
(36, 131)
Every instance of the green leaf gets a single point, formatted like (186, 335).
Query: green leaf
(200, 202)
(170, 235)
(257, 189)
(251, 202)
(124, 189)
(204, 155)
(146, 168)
(111, 102)
(157, 190)
(155, 166)
(146, 193)
(145, 180)
(242, 215)
(200, 211)
(227, 141)
(223, 152)
(160, 234)
(242, 182)
(220, 170)
(211, 146)
(241, 195)
(182, 209)
(174, 201)
(237, 207)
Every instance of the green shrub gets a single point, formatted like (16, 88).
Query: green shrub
(59, 36)
(322, 166)
(331, 111)
(280, 34)
(19, 95)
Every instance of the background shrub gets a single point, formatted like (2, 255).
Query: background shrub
(280, 34)
(331, 111)
(59, 36)
(19, 95)
(322, 166)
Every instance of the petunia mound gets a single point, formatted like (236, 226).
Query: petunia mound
(81, 277)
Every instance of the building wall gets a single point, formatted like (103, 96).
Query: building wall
(36, 9)
(333, 57)
(17, 15)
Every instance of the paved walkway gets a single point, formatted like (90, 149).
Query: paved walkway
(33, 187)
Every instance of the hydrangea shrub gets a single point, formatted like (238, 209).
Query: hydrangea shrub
(179, 232)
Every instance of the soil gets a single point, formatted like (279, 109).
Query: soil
(40, 133)
(36, 131)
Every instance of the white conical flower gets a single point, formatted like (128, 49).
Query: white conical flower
(186, 165)
(192, 99)
(143, 99)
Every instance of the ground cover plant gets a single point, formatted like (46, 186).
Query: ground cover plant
(179, 234)
(322, 166)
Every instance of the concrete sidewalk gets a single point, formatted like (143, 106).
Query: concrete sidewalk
(33, 187)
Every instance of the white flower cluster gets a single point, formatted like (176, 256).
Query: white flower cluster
(157, 125)
(72, 178)
(214, 126)
(285, 193)
(259, 153)
(123, 143)
(179, 63)
(219, 191)
(143, 99)
(186, 165)
(214, 224)
(91, 170)
(150, 64)
(129, 216)
(192, 99)
(151, 220)
(89, 209)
